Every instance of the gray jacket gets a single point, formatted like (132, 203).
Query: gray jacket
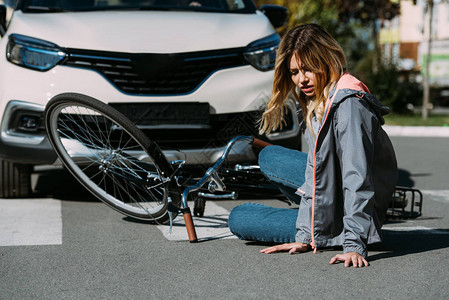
(351, 172)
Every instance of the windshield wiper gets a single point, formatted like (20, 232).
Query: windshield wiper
(44, 9)
(181, 8)
(164, 8)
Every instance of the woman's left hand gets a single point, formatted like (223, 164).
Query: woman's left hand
(290, 247)
(350, 258)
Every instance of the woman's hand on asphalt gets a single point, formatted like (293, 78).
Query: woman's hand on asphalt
(290, 247)
(350, 258)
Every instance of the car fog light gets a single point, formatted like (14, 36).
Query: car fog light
(29, 123)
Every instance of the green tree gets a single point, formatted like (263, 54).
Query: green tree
(371, 14)
(323, 12)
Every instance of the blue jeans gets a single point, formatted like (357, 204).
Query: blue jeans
(251, 221)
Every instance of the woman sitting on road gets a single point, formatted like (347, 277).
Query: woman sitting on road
(346, 181)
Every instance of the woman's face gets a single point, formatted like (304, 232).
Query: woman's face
(303, 78)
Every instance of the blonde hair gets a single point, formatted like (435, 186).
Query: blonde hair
(320, 53)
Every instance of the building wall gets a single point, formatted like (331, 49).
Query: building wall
(409, 33)
(411, 22)
(441, 18)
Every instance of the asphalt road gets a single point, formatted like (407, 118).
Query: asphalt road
(77, 248)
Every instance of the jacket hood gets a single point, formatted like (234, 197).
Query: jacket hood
(349, 86)
(143, 31)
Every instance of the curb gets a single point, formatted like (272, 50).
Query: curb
(417, 131)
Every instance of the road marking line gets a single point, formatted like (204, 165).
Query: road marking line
(214, 225)
(437, 195)
(416, 230)
(25, 222)
(420, 131)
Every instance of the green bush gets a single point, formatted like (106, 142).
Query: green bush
(394, 89)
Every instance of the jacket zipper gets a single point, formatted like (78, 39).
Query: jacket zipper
(312, 227)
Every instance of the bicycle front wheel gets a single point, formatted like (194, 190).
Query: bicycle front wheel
(110, 156)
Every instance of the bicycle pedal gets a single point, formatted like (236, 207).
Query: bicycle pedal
(231, 196)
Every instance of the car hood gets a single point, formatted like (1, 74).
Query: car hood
(143, 31)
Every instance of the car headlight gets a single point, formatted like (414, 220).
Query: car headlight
(33, 53)
(261, 54)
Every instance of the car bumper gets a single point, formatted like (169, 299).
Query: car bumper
(23, 142)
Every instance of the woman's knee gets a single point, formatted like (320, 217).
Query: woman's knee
(239, 217)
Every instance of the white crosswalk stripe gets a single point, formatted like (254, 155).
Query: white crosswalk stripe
(25, 222)
(213, 225)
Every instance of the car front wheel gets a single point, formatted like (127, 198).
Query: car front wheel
(15, 179)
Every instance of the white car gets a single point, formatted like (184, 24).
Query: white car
(191, 74)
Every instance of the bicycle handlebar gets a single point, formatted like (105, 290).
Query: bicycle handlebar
(191, 233)
(259, 143)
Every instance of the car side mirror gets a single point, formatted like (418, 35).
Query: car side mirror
(276, 14)
(2, 20)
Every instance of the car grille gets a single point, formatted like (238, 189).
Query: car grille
(155, 74)
(220, 130)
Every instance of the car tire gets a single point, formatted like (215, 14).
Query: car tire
(15, 179)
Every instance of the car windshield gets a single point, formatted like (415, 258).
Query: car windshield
(241, 6)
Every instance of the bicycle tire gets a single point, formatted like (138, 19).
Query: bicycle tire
(111, 157)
